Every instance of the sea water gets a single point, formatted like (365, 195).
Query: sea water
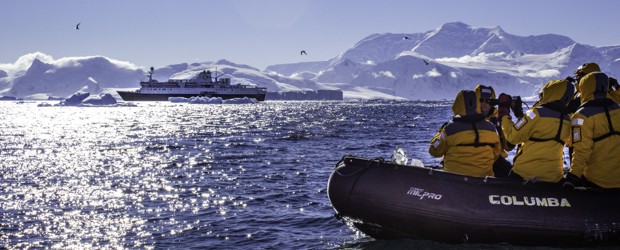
(205, 176)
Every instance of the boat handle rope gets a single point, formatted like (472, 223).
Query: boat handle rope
(378, 160)
(368, 164)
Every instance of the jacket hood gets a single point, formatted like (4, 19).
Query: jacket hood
(593, 86)
(587, 68)
(466, 103)
(485, 92)
(557, 90)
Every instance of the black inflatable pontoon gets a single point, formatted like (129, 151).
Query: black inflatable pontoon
(385, 200)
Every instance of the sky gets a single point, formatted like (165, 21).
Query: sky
(260, 33)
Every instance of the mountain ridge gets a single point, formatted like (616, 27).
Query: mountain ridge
(428, 65)
(484, 55)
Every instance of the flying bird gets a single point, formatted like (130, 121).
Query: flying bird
(425, 61)
(406, 38)
(303, 52)
(77, 27)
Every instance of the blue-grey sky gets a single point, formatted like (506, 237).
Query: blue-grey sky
(266, 32)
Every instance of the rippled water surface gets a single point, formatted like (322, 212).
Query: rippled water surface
(163, 175)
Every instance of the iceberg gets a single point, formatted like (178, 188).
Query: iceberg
(87, 99)
(211, 100)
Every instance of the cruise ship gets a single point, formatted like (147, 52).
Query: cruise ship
(197, 84)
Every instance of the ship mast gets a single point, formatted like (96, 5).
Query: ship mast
(216, 74)
(151, 74)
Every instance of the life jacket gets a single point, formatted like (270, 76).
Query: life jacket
(466, 108)
(557, 106)
(605, 104)
(476, 122)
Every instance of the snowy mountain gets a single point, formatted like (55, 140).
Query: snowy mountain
(4, 82)
(38, 73)
(437, 64)
(431, 65)
(410, 77)
(290, 69)
(459, 39)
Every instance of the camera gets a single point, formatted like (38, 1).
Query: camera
(516, 101)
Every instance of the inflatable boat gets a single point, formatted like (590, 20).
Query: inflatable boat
(386, 200)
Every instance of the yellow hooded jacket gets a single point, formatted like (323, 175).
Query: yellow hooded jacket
(595, 130)
(469, 144)
(542, 133)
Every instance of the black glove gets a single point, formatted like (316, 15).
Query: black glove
(567, 184)
(442, 126)
(613, 84)
(494, 120)
(571, 181)
(517, 106)
(504, 103)
(574, 104)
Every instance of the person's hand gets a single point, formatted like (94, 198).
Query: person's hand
(567, 184)
(613, 84)
(570, 181)
(442, 126)
(504, 100)
(517, 107)
(574, 104)
(504, 103)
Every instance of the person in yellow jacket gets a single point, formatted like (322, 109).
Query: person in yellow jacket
(469, 144)
(486, 94)
(595, 134)
(583, 70)
(541, 133)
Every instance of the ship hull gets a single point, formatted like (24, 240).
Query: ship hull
(135, 96)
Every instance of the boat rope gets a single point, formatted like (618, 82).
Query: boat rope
(378, 160)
